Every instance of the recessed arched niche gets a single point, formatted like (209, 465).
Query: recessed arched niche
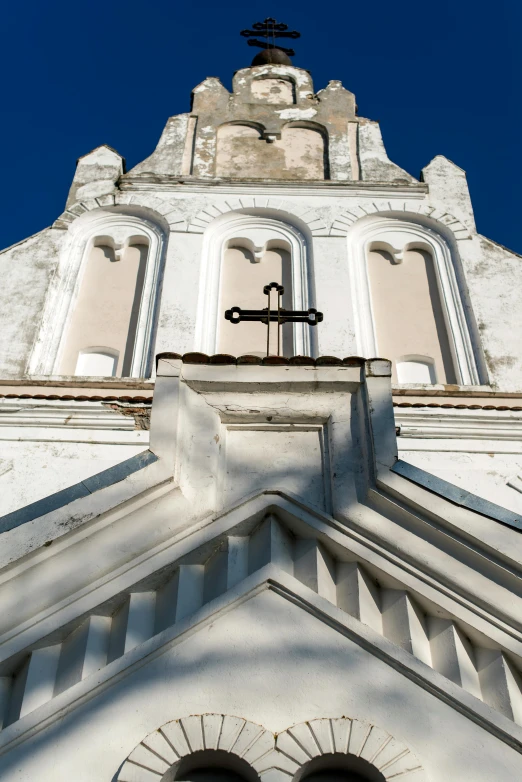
(410, 302)
(108, 302)
(246, 269)
(247, 152)
(408, 314)
(99, 317)
(241, 254)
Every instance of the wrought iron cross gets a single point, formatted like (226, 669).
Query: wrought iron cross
(274, 315)
(270, 29)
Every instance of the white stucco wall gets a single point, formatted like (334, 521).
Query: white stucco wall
(493, 274)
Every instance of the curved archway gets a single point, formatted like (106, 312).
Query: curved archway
(302, 218)
(253, 752)
(197, 742)
(396, 235)
(261, 232)
(115, 229)
(356, 747)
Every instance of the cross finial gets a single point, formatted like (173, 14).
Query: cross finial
(270, 29)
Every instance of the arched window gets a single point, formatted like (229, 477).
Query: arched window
(212, 765)
(241, 254)
(339, 767)
(410, 301)
(105, 293)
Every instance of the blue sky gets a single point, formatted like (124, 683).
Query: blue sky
(442, 77)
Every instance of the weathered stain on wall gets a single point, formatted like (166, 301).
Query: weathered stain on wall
(243, 153)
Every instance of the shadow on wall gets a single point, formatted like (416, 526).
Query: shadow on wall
(265, 659)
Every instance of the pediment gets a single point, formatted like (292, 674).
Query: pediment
(270, 542)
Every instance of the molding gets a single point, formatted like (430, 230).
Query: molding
(216, 236)
(186, 184)
(459, 424)
(456, 495)
(308, 216)
(65, 286)
(193, 545)
(349, 736)
(450, 282)
(292, 590)
(57, 415)
(163, 208)
(167, 745)
(84, 488)
(279, 755)
(344, 221)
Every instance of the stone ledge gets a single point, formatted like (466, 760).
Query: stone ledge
(456, 495)
(82, 489)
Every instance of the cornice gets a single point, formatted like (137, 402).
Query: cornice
(459, 424)
(290, 589)
(262, 186)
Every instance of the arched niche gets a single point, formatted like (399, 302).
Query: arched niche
(435, 290)
(239, 151)
(245, 151)
(247, 239)
(408, 313)
(306, 150)
(105, 293)
(246, 268)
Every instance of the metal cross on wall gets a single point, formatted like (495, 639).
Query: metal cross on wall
(270, 29)
(274, 315)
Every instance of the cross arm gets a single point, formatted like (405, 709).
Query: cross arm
(310, 316)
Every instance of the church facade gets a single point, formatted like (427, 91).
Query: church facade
(283, 543)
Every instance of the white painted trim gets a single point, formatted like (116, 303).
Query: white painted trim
(308, 216)
(65, 286)
(343, 221)
(167, 745)
(487, 425)
(214, 243)
(29, 420)
(350, 736)
(367, 231)
(279, 756)
(54, 414)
